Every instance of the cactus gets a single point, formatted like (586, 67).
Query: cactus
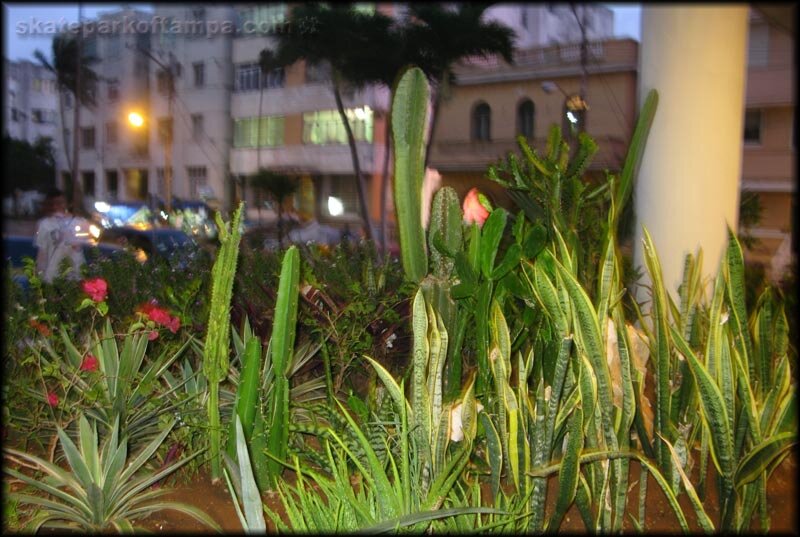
(409, 106)
(215, 362)
(281, 349)
(444, 232)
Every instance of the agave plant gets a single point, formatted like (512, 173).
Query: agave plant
(99, 492)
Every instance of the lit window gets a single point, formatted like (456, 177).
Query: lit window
(247, 133)
(525, 113)
(752, 127)
(481, 122)
(326, 127)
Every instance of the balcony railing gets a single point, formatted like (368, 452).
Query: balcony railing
(476, 156)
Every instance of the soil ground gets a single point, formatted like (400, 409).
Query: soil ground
(781, 497)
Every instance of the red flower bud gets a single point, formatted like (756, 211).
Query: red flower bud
(96, 288)
(52, 399)
(89, 363)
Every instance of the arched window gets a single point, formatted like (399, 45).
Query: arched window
(481, 122)
(525, 113)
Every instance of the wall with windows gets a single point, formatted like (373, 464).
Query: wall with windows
(30, 107)
(769, 149)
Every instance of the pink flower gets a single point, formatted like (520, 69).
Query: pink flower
(52, 399)
(474, 209)
(89, 363)
(152, 335)
(160, 316)
(96, 288)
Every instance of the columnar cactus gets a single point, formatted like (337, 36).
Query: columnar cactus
(409, 108)
(217, 345)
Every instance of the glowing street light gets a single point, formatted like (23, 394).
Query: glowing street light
(136, 119)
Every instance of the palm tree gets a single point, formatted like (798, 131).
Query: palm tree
(65, 66)
(442, 36)
(330, 35)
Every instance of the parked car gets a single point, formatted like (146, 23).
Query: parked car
(148, 242)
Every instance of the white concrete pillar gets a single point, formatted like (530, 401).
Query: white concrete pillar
(688, 184)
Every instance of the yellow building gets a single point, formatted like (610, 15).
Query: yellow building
(492, 103)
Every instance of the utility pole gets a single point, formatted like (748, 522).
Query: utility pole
(170, 73)
(77, 197)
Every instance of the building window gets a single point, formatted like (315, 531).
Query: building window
(197, 127)
(162, 81)
(326, 127)
(481, 122)
(168, 34)
(262, 19)
(164, 129)
(88, 183)
(67, 140)
(141, 142)
(249, 78)
(14, 115)
(752, 127)
(36, 85)
(111, 132)
(113, 90)
(199, 70)
(87, 138)
(113, 46)
(67, 100)
(523, 16)
(248, 132)
(758, 45)
(198, 182)
(112, 184)
(525, 114)
(198, 26)
(42, 116)
(90, 47)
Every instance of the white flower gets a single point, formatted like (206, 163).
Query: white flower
(390, 340)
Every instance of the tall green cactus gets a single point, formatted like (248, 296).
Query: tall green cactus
(445, 238)
(281, 349)
(215, 362)
(409, 107)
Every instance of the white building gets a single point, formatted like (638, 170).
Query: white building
(31, 102)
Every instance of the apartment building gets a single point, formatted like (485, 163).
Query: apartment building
(31, 102)
(769, 151)
(113, 157)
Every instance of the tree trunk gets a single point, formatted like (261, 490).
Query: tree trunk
(385, 180)
(362, 196)
(63, 130)
(258, 139)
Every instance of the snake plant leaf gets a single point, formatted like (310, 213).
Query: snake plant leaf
(756, 462)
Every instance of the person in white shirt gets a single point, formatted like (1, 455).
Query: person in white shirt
(55, 239)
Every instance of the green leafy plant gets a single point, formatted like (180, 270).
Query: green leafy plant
(100, 492)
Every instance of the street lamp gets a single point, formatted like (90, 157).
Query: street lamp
(574, 103)
(135, 119)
